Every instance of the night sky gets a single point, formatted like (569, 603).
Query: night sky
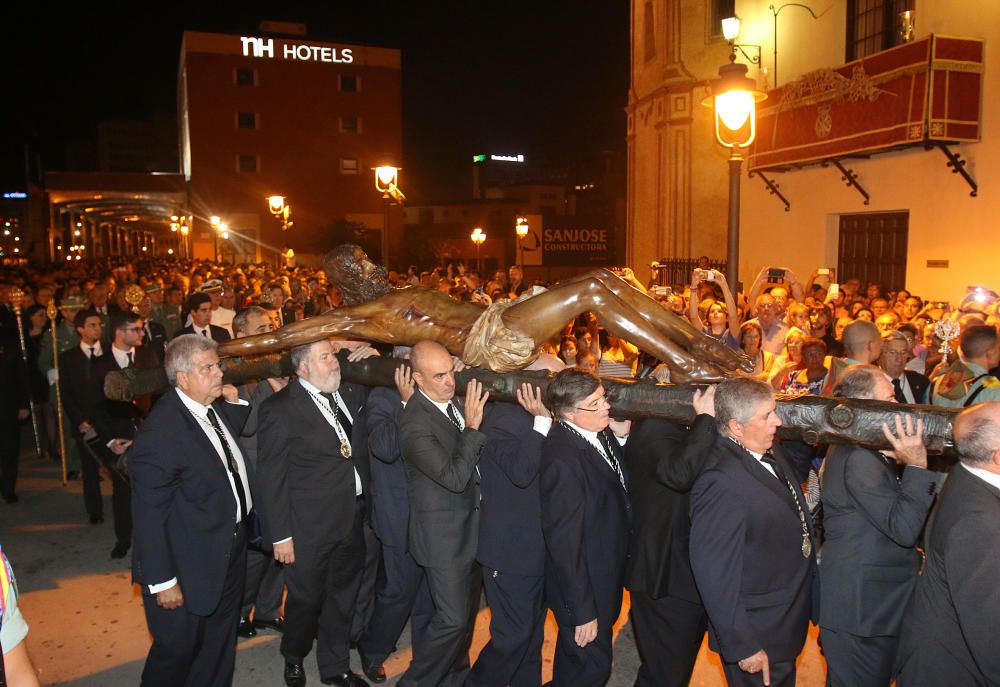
(547, 79)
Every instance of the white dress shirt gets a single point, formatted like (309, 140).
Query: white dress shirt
(201, 414)
(86, 349)
(121, 357)
(592, 439)
(990, 478)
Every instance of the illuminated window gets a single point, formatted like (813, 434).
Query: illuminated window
(721, 9)
(874, 26)
(348, 165)
(350, 125)
(349, 83)
(246, 120)
(248, 163)
(246, 77)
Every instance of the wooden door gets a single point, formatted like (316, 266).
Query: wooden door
(873, 248)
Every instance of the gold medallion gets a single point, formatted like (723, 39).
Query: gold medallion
(807, 546)
(345, 449)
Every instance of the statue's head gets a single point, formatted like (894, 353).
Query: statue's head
(358, 279)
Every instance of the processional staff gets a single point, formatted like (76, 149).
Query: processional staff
(52, 313)
(16, 296)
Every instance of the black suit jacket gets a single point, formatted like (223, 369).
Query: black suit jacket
(390, 504)
(664, 459)
(305, 488)
(218, 333)
(950, 627)
(440, 480)
(872, 521)
(183, 507)
(15, 394)
(919, 384)
(510, 526)
(585, 522)
(746, 554)
(81, 382)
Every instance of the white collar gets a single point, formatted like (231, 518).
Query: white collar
(122, 356)
(443, 407)
(310, 387)
(86, 349)
(585, 433)
(198, 409)
(991, 478)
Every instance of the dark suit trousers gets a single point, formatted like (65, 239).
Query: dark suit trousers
(854, 661)
(513, 656)
(10, 446)
(401, 593)
(441, 652)
(265, 585)
(322, 587)
(586, 667)
(782, 675)
(669, 632)
(93, 455)
(197, 651)
(365, 603)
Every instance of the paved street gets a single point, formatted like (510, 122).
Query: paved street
(87, 625)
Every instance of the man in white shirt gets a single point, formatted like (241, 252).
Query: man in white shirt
(191, 502)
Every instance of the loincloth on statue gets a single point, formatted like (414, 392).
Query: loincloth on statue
(492, 345)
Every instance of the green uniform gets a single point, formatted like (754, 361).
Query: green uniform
(66, 338)
(964, 384)
(169, 316)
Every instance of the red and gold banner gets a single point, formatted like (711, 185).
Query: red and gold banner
(925, 91)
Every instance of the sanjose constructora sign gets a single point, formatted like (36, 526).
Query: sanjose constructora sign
(287, 50)
(575, 241)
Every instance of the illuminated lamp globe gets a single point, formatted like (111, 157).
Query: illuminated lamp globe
(734, 97)
(730, 28)
(276, 204)
(386, 177)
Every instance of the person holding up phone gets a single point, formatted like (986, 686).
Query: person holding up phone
(722, 320)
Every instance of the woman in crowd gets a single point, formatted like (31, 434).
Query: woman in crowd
(751, 337)
(618, 357)
(809, 376)
(567, 350)
(790, 358)
(718, 320)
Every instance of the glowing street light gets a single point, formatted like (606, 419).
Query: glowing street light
(478, 236)
(734, 97)
(387, 183)
(281, 209)
(215, 221)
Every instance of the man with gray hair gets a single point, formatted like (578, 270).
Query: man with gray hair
(949, 634)
(908, 386)
(752, 542)
(874, 507)
(191, 502)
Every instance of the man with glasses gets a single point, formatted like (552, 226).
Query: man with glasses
(586, 518)
(191, 501)
(908, 386)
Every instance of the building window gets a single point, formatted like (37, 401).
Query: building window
(349, 83)
(246, 77)
(348, 165)
(721, 9)
(874, 26)
(350, 125)
(248, 163)
(246, 120)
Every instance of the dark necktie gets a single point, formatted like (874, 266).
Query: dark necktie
(230, 463)
(93, 352)
(131, 362)
(769, 459)
(603, 436)
(204, 332)
(338, 413)
(453, 416)
(898, 386)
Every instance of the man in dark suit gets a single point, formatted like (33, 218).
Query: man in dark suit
(13, 409)
(200, 306)
(441, 448)
(117, 423)
(585, 523)
(312, 472)
(265, 586)
(669, 620)
(908, 386)
(949, 634)
(155, 337)
(511, 547)
(401, 591)
(190, 504)
(81, 380)
(872, 517)
(752, 542)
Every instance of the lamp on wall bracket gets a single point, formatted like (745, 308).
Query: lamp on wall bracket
(730, 31)
(775, 12)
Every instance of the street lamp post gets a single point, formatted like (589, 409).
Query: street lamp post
(387, 183)
(734, 97)
(521, 229)
(478, 236)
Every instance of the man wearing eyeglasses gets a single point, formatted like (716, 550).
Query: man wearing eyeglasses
(586, 518)
(191, 501)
